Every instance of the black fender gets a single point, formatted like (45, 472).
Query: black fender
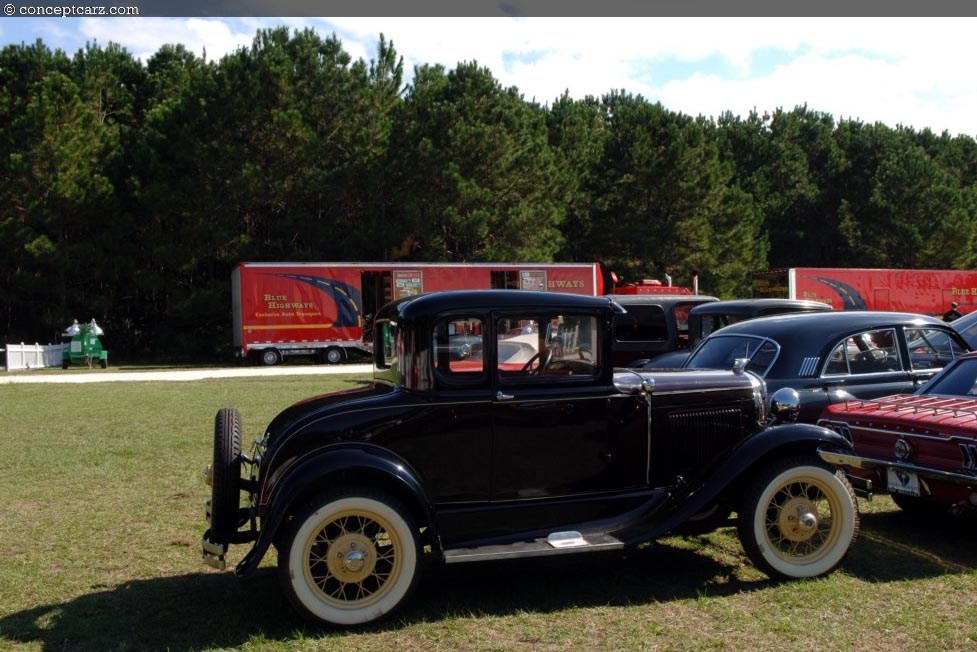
(773, 442)
(316, 470)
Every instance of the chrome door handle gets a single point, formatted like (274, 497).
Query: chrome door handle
(503, 397)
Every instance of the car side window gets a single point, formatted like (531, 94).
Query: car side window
(458, 348)
(641, 324)
(931, 348)
(547, 346)
(869, 352)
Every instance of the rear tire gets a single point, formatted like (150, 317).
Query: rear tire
(349, 557)
(226, 475)
(334, 355)
(269, 357)
(799, 518)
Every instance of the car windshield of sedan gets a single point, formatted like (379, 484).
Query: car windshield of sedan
(721, 351)
(959, 380)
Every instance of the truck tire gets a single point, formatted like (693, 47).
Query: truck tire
(269, 357)
(225, 498)
(334, 355)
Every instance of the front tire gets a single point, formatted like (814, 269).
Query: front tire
(349, 557)
(799, 518)
(226, 475)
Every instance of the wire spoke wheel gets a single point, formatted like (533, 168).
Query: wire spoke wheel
(799, 518)
(350, 558)
(799, 522)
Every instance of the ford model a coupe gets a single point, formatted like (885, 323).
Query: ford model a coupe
(523, 442)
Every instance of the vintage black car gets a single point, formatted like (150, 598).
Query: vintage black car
(652, 325)
(829, 357)
(531, 445)
(707, 318)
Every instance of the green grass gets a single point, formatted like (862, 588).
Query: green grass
(103, 511)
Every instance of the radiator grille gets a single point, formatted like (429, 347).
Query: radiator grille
(694, 437)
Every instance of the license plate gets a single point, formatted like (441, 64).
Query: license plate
(903, 482)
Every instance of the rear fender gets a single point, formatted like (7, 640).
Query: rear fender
(369, 464)
(773, 442)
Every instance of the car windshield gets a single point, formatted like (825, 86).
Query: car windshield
(721, 351)
(958, 380)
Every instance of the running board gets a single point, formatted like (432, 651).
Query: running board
(558, 543)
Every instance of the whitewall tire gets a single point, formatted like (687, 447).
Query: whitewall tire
(798, 518)
(349, 557)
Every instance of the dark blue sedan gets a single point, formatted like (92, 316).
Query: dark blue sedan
(832, 356)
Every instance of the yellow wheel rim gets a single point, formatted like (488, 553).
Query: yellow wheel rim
(353, 559)
(800, 520)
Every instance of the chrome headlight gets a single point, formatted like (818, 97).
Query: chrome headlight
(785, 405)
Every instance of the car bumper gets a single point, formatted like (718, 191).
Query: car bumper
(852, 461)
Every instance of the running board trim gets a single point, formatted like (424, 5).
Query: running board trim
(536, 548)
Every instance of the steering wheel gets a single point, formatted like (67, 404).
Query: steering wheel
(872, 355)
(538, 362)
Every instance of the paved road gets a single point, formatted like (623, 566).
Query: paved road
(99, 376)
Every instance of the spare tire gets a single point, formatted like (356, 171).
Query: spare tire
(226, 476)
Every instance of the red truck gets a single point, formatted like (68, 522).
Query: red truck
(927, 291)
(320, 309)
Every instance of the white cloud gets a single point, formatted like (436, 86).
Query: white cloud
(144, 36)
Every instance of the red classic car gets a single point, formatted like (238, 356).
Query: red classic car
(921, 448)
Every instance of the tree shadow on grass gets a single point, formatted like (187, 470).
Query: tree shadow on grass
(205, 610)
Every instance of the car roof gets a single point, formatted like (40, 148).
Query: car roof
(436, 302)
(756, 306)
(804, 335)
(660, 299)
(800, 325)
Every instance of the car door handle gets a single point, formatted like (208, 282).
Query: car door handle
(504, 397)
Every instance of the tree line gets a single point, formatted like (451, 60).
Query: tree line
(129, 190)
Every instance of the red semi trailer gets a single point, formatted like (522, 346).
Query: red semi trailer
(927, 291)
(321, 309)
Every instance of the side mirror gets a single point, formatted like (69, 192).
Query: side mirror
(785, 405)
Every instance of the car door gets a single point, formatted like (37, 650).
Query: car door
(450, 440)
(867, 364)
(560, 428)
(928, 350)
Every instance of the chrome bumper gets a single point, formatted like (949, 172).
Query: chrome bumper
(869, 464)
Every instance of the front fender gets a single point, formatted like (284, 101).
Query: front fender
(772, 442)
(336, 464)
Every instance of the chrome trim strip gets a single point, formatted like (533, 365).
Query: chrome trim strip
(867, 463)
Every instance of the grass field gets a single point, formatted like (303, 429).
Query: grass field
(103, 511)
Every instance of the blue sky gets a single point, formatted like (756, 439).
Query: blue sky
(916, 72)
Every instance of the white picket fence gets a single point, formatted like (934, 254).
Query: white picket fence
(33, 356)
